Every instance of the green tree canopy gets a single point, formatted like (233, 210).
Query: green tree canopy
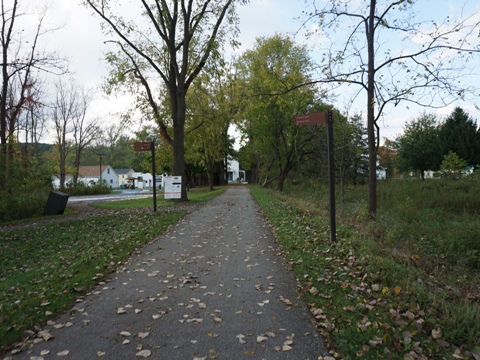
(212, 107)
(270, 70)
(418, 147)
(460, 134)
(170, 46)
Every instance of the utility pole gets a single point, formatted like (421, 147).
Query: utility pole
(100, 154)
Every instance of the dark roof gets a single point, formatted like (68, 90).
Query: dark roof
(123, 171)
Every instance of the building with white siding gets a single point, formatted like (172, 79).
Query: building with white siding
(234, 174)
(90, 175)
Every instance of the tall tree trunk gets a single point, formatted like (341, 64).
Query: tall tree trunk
(210, 179)
(62, 164)
(178, 143)
(77, 167)
(3, 123)
(372, 145)
(283, 175)
(222, 175)
(281, 181)
(3, 101)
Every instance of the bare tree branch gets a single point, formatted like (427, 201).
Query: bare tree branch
(424, 70)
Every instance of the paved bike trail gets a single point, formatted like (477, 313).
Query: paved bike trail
(212, 287)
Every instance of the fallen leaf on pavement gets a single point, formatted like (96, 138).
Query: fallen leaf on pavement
(45, 335)
(241, 338)
(286, 301)
(261, 338)
(144, 353)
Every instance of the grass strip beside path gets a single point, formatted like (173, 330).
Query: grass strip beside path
(45, 268)
(366, 304)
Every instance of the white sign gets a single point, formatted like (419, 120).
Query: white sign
(173, 187)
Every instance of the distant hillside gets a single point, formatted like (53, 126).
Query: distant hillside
(40, 146)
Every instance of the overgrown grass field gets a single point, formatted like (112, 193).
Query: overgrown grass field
(405, 286)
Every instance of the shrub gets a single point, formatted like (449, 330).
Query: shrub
(81, 189)
(453, 167)
(24, 201)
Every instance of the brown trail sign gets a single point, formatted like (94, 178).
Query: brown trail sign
(143, 146)
(311, 119)
(325, 118)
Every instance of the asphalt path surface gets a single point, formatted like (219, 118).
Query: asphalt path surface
(115, 195)
(213, 287)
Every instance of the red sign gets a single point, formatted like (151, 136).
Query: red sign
(142, 146)
(311, 119)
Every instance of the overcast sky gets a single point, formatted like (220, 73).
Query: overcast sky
(81, 40)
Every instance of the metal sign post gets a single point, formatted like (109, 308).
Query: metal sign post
(149, 146)
(331, 178)
(154, 179)
(325, 118)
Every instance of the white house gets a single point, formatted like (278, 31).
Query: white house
(234, 174)
(381, 173)
(124, 175)
(145, 180)
(91, 175)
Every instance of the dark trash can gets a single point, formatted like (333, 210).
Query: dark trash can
(56, 203)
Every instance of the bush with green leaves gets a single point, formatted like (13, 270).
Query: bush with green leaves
(24, 193)
(453, 167)
(83, 189)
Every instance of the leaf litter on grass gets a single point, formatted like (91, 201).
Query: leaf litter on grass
(355, 309)
(45, 268)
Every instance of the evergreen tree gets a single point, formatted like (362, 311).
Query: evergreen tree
(460, 134)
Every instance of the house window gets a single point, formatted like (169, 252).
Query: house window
(111, 181)
(123, 176)
(108, 171)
